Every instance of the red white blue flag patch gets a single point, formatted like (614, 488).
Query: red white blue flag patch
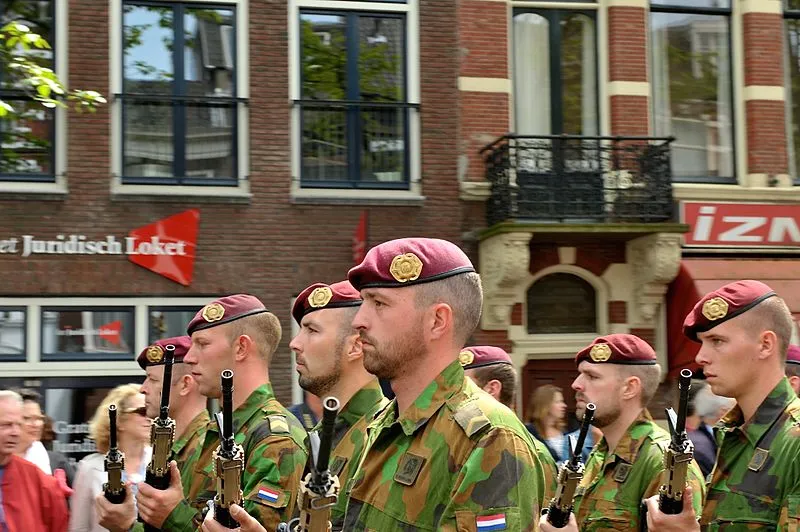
(487, 523)
(272, 495)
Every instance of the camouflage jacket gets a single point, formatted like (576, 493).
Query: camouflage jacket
(349, 437)
(184, 447)
(755, 484)
(275, 454)
(614, 485)
(456, 459)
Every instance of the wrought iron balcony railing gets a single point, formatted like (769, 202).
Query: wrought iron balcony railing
(579, 179)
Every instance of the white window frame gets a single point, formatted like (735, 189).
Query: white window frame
(411, 10)
(59, 186)
(35, 367)
(242, 189)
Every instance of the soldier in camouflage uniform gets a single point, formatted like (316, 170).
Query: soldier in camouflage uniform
(238, 333)
(619, 374)
(792, 367)
(744, 330)
(443, 455)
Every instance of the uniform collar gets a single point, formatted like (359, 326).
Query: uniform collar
(252, 406)
(768, 411)
(365, 402)
(200, 420)
(628, 447)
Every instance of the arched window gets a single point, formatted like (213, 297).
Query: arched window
(561, 303)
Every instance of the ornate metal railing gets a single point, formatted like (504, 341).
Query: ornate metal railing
(579, 179)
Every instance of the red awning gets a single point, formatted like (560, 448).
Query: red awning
(700, 276)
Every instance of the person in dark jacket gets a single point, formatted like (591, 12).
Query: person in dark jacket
(710, 408)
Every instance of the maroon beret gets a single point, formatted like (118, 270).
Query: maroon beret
(793, 355)
(153, 355)
(320, 295)
(723, 304)
(617, 349)
(408, 261)
(478, 356)
(225, 310)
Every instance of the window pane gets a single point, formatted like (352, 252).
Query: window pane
(380, 59)
(168, 323)
(532, 74)
(324, 144)
(38, 17)
(561, 303)
(793, 93)
(87, 334)
(209, 141)
(147, 47)
(12, 334)
(383, 155)
(208, 52)
(324, 56)
(26, 141)
(579, 75)
(698, 4)
(792, 5)
(692, 92)
(148, 140)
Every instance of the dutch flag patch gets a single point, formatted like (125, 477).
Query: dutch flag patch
(491, 522)
(271, 495)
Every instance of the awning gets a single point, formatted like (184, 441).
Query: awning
(700, 276)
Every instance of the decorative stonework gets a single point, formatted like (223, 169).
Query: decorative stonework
(655, 260)
(504, 263)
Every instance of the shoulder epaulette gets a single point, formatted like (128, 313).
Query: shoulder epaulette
(470, 417)
(278, 424)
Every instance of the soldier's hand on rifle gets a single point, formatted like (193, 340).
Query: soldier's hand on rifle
(116, 517)
(156, 505)
(572, 526)
(686, 521)
(247, 522)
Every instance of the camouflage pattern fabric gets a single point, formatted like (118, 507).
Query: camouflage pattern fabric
(184, 447)
(275, 454)
(456, 459)
(349, 437)
(614, 485)
(755, 484)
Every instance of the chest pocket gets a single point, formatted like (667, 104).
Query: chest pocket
(740, 510)
(609, 515)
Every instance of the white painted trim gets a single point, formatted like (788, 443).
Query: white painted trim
(764, 92)
(763, 180)
(741, 146)
(772, 7)
(629, 88)
(118, 189)
(736, 193)
(603, 61)
(351, 6)
(468, 84)
(567, 255)
(61, 115)
(644, 4)
(298, 193)
(59, 188)
(556, 5)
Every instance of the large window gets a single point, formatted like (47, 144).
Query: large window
(562, 303)
(691, 82)
(353, 99)
(179, 96)
(792, 84)
(27, 142)
(12, 333)
(168, 322)
(73, 333)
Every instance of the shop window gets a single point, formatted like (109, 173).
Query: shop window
(97, 333)
(168, 322)
(562, 303)
(12, 333)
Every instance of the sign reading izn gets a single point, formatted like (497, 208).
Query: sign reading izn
(761, 225)
(166, 247)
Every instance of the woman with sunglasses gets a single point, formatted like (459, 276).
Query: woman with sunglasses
(133, 438)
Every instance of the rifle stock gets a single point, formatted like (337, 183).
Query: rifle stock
(569, 476)
(228, 459)
(114, 463)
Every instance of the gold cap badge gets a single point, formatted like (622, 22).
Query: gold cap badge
(465, 357)
(715, 308)
(600, 352)
(154, 354)
(320, 297)
(406, 267)
(213, 312)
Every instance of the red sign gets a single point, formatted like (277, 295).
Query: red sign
(167, 247)
(360, 240)
(110, 332)
(756, 225)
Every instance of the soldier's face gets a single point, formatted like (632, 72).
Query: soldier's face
(151, 389)
(211, 352)
(10, 428)
(599, 384)
(391, 330)
(319, 348)
(726, 352)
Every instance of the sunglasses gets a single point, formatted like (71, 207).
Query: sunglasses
(142, 411)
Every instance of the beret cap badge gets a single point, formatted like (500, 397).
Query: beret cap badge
(465, 357)
(600, 352)
(155, 354)
(213, 312)
(715, 308)
(406, 267)
(320, 297)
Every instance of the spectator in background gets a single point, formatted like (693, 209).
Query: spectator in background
(710, 408)
(547, 421)
(792, 367)
(309, 412)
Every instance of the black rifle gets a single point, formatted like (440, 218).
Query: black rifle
(162, 434)
(319, 490)
(678, 456)
(570, 475)
(228, 459)
(114, 463)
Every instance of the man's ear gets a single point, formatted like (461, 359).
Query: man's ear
(493, 388)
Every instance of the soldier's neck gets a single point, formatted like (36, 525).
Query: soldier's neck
(246, 379)
(614, 432)
(419, 375)
(183, 417)
(349, 385)
(756, 391)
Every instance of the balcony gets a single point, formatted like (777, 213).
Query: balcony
(579, 180)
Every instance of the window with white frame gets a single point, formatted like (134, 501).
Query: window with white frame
(179, 93)
(87, 333)
(12, 333)
(791, 14)
(354, 94)
(169, 322)
(690, 51)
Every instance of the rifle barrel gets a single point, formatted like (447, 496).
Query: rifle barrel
(112, 420)
(227, 403)
(330, 408)
(684, 385)
(588, 416)
(169, 359)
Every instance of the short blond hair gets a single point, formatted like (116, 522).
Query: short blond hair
(100, 426)
(264, 329)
